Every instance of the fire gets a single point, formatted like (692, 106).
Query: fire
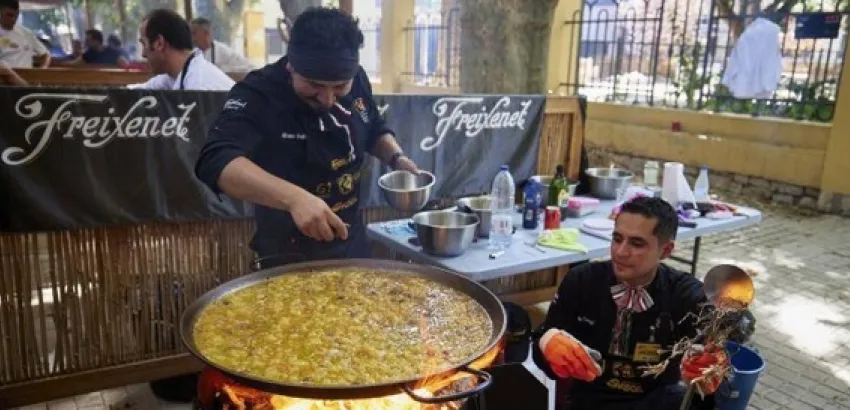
(235, 397)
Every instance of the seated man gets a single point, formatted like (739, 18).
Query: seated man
(98, 53)
(166, 41)
(611, 318)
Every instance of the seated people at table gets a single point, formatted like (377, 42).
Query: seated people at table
(216, 52)
(167, 45)
(8, 76)
(98, 53)
(114, 43)
(610, 318)
(19, 47)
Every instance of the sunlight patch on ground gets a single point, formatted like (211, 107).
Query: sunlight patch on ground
(806, 323)
(787, 259)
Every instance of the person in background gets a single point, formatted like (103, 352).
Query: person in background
(217, 52)
(98, 53)
(610, 318)
(166, 41)
(19, 47)
(114, 43)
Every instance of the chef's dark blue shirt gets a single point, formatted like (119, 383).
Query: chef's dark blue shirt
(265, 121)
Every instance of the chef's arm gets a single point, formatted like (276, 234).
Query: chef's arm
(224, 164)
(9, 76)
(242, 179)
(385, 147)
(561, 315)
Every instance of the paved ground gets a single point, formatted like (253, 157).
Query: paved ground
(802, 306)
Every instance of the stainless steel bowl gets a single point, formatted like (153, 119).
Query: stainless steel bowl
(481, 206)
(405, 191)
(445, 233)
(546, 180)
(608, 183)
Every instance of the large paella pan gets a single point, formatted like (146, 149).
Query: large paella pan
(344, 329)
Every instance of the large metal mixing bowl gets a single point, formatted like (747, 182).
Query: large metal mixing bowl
(445, 233)
(481, 206)
(608, 183)
(405, 191)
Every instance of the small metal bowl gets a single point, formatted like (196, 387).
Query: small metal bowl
(444, 233)
(405, 191)
(481, 206)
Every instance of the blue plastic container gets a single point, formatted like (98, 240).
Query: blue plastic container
(747, 366)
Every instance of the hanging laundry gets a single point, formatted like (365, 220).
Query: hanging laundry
(755, 66)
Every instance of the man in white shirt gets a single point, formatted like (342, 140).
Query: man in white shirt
(166, 42)
(216, 52)
(19, 47)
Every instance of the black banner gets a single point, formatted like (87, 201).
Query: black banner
(92, 157)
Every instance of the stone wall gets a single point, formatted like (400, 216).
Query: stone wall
(757, 188)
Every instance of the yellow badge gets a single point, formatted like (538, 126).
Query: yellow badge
(647, 352)
(623, 370)
(323, 190)
(339, 206)
(339, 163)
(345, 183)
(624, 386)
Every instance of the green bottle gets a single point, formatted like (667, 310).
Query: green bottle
(558, 188)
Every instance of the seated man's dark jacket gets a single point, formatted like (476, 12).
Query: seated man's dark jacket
(585, 308)
(265, 121)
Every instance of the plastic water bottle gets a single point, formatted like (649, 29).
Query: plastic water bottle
(502, 206)
(701, 186)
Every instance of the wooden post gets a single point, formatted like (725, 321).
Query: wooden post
(347, 6)
(89, 18)
(187, 9)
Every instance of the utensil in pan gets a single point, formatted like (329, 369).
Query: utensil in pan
(488, 301)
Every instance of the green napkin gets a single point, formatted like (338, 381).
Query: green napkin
(565, 239)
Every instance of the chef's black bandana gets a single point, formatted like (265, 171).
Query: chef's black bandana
(325, 65)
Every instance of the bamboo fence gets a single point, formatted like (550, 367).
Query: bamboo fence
(89, 309)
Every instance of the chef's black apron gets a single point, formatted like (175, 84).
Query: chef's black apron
(328, 162)
(621, 386)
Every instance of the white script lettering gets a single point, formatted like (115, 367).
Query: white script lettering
(97, 132)
(470, 122)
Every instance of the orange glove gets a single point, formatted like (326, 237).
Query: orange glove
(697, 365)
(568, 357)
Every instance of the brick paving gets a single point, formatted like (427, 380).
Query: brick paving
(802, 307)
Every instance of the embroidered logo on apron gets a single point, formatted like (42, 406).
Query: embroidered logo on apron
(323, 190)
(360, 107)
(345, 184)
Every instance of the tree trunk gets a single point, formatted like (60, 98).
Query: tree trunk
(227, 18)
(292, 8)
(122, 19)
(504, 45)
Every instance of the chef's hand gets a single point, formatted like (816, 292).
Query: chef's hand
(406, 164)
(314, 218)
(568, 357)
(697, 365)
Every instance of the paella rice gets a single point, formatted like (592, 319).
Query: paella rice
(342, 327)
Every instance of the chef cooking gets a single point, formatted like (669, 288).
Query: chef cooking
(610, 319)
(292, 138)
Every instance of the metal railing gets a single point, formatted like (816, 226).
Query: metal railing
(435, 38)
(674, 53)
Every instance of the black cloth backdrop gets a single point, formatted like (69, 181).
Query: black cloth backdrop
(72, 158)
